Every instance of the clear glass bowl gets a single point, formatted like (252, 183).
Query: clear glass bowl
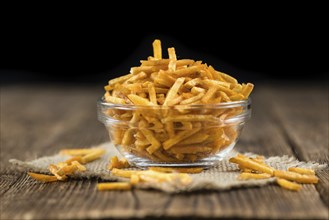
(179, 136)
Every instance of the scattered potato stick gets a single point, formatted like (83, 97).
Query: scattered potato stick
(77, 152)
(248, 163)
(177, 169)
(301, 170)
(79, 166)
(96, 154)
(288, 184)
(247, 176)
(119, 164)
(114, 186)
(76, 158)
(123, 173)
(42, 177)
(299, 178)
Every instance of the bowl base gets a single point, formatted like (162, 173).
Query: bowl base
(206, 162)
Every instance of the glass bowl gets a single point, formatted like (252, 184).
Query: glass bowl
(178, 136)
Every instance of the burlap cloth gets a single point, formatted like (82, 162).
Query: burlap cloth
(223, 176)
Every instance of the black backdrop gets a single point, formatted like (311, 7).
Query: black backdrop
(92, 46)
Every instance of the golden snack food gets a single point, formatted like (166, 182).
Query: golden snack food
(174, 111)
(256, 168)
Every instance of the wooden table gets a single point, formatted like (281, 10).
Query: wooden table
(40, 120)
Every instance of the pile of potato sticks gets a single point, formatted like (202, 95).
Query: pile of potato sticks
(166, 124)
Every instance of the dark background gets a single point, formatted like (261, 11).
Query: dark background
(72, 45)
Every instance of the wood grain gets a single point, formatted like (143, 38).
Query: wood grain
(38, 121)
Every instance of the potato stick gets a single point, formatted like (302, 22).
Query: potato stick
(141, 69)
(246, 89)
(56, 171)
(152, 93)
(188, 117)
(42, 177)
(197, 138)
(193, 83)
(189, 149)
(161, 90)
(114, 100)
(186, 125)
(108, 87)
(301, 170)
(177, 169)
(123, 173)
(173, 58)
(181, 62)
(175, 100)
(163, 157)
(184, 62)
(155, 62)
(236, 97)
(116, 163)
(162, 82)
(209, 94)
(187, 71)
(120, 79)
(165, 76)
(128, 137)
(134, 179)
(288, 184)
(157, 50)
(67, 170)
(79, 166)
(114, 186)
(204, 74)
(133, 88)
(196, 90)
(137, 100)
(246, 170)
(155, 144)
(248, 163)
(247, 176)
(224, 96)
(187, 95)
(76, 158)
(237, 88)
(192, 99)
(299, 178)
(227, 78)
(77, 151)
(179, 137)
(191, 157)
(136, 77)
(208, 83)
(174, 89)
(136, 117)
(170, 129)
(93, 156)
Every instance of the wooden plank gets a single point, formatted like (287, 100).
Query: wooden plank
(40, 121)
(79, 200)
(302, 112)
(67, 117)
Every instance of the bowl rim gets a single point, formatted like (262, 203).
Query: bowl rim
(242, 103)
